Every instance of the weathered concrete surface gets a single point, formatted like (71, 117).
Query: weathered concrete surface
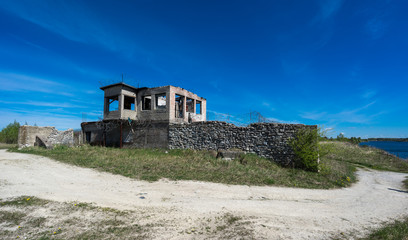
(29, 136)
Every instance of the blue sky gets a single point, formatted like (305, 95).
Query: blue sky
(339, 64)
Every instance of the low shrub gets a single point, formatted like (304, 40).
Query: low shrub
(306, 148)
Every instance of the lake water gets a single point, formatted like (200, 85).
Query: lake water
(399, 149)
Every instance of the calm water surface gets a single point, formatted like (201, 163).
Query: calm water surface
(399, 149)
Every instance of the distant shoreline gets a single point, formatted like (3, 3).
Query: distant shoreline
(386, 140)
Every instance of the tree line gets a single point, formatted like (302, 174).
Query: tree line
(9, 134)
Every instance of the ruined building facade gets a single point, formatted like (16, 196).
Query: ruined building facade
(140, 117)
(166, 104)
(174, 118)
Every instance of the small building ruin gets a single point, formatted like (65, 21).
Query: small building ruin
(140, 117)
(48, 137)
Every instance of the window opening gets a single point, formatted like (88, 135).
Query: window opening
(129, 103)
(179, 106)
(190, 105)
(198, 107)
(161, 101)
(113, 103)
(146, 102)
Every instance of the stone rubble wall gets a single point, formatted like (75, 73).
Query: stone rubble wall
(30, 136)
(269, 140)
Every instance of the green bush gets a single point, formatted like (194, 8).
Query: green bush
(306, 148)
(9, 134)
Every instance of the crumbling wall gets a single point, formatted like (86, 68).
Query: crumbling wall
(78, 138)
(29, 136)
(146, 135)
(135, 134)
(269, 140)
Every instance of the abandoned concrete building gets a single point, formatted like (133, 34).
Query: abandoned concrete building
(139, 117)
(174, 118)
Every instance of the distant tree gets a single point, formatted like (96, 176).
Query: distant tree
(341, 137)
(9, 134)
(355, 140)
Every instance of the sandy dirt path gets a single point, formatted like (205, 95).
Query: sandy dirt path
(272, 212)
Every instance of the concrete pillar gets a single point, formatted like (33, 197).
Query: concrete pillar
(121, 100)
(204, 110)
(153, 102)
(185, 117)
(105, 107)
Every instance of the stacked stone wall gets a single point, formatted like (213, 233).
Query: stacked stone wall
(269, 140)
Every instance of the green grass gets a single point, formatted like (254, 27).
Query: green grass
(397, 230)
(7, 145)
(337, 167)
(23, 201)
(366, 156)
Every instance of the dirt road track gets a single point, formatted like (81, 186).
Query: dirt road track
(274, 212)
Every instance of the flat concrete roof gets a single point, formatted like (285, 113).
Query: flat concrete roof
(120, 83)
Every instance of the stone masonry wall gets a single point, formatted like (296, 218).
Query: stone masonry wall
(29, 136)
(269, 140)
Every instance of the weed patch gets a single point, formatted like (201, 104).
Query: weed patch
(13, 218)
(397, 230)
(67, 221)
(7, 146)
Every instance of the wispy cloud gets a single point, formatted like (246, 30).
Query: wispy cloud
(242, 119)
(21, 82)
(329, 8)
(72, 20)
(268, 105)
(314, 115)
(44, 104)
(376, 27)
(357, 115)
(27, 42)
(369, 94)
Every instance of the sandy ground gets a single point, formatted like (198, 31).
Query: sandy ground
(272, 212)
